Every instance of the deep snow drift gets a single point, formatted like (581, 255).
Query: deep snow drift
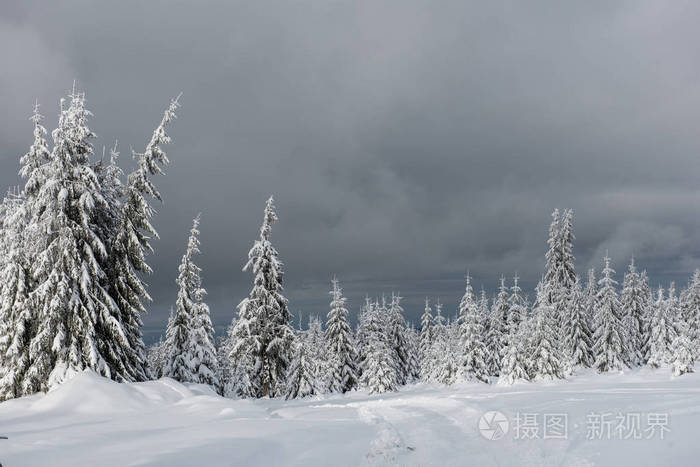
(93, 421)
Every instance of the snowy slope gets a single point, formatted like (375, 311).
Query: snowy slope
(92, 421)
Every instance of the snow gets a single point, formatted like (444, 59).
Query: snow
(90, 420)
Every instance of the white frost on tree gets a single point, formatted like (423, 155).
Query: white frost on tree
(343, 363)
(634, 302)
(661, 333)
(577, 336)
(262, 337)
(544, 357)
(472, 363)
(610, 346)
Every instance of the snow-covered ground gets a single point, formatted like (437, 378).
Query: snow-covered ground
(91, 421)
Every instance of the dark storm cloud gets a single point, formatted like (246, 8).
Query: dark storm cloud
(405, 142)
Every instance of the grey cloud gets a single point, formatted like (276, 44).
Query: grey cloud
(405, 142)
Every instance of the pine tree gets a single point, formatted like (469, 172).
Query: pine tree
(226, 366)
(634, 310)
(340, 342)
(610, 346)
(318, 354)
(34, 162)
(545, 360)
(15, 312)
(203, 331)
(497, 336)
(648, 297)
(673, 307)
(179, 361)
(426, 339)
(442, 357)
(590, 295)
(301, 376)
(379, 368)
(131, 243)
(553, 256)
(263, 336)
(690, 306)
(69, 299)
(559, 271)
(156, 358)
(683, 352)
(366, 322)
(514, 364)
(566, 273)
(18, 246)
(397, 339)
(472, 348)
(448, 355)
(661, 333)
(191, 356)
(413, 365)
(517, 308)
(577, 338)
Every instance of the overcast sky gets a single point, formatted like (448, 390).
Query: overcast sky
(405, 142)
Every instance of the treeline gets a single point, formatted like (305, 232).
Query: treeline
(73, 246)
(501, 340)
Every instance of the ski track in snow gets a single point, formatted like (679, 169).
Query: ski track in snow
(93, 421)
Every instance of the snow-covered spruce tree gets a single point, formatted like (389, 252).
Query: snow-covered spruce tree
(590, 294)
(262, 336)
(397, 339)
(610, 346)
(203, 330)
(156, 358)
(449, 362)
(634, 310)
(226, 368)
(690, 310)
(365, 321)
(128, 249)
(514, 363)
(683, 351)
(545, 359)
(107, 217)
(517, 308)
(301, 380)
(69, 299)
(413, 344)
(472, 363)
(577, 336)
(34, 161)
(559, 270)
(343, 373)
(380, 373)
(18, 244)
(318, 353)
(566, 272)
(553, 255)
(426, 339)
(15, 313)
(673, 306)
(661, 333)
(379, 368)
(646, 329)
(443, 356)
(179, 350)
(497, 336)
(191, 354)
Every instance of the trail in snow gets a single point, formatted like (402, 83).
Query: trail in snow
(93, 421)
